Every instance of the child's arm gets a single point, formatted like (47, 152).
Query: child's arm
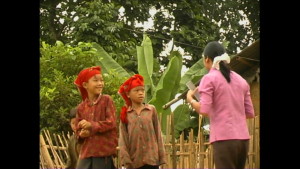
(110, 119)
(123, 145)
(161, 149)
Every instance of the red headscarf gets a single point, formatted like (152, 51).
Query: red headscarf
(84, 76)
(132, 82)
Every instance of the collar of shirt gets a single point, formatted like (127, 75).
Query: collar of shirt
(130, 109)
(92, 103)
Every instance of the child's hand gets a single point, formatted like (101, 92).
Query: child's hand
(84, 133)
(85, 124)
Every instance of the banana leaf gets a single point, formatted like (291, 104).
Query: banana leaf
(184, 118)
(107, 62)
(145, 64)
(194, 74)
(167, 86)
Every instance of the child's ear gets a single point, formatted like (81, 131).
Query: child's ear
(84, 84)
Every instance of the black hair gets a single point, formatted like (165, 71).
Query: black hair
(213, 49)
(73, 112)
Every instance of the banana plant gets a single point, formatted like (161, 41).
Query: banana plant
(184, 118)
(107, 63)
(145, 64)
(167, 87)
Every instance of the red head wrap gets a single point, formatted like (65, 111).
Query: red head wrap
(132, 82)
(84, 76)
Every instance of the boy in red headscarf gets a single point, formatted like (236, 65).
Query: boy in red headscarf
(96, 122)
(140, 141)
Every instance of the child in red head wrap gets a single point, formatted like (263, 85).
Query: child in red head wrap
(95, 114)
(139, 124)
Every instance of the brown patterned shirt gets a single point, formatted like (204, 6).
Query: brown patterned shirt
(140, 140)
(103, 139)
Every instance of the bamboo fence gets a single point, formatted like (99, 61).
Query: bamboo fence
(191, 153)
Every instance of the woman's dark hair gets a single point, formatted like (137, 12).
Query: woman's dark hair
(213, 49)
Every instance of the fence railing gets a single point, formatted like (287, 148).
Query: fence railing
(193, 152)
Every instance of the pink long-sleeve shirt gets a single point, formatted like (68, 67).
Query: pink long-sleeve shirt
(227, 105)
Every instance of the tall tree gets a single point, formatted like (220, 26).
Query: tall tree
(189, 24)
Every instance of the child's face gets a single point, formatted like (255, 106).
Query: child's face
(137, 94)
(95, 85)
(72, 123)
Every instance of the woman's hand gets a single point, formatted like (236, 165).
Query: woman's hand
(190, 95)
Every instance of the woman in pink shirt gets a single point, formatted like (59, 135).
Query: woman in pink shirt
(225, 99)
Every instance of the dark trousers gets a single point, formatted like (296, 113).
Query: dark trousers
(96, 163)
(230, 153)
(148, 167)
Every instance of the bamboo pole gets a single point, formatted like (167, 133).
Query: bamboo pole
(191, 149)
(65, 146)
(57, 161)
(57, 144)
(257, 151)
(48, 138)
(181, 158)
(45, 153)
(168, 148)
(173, 142)
(201, 143)
(211, 160)
(42, 161)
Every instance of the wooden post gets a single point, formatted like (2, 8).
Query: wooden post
(201, 144)
(255, 96)
(167, 141)
(257, 151)
(181, 156)
(57, 144)
(64, 145)
(45, 153)
(173, 142)
(191, 149)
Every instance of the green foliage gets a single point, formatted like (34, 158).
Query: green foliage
(113, 81)
(59, 66)
(194, 74)
(107, 63)
(191, 24)
(168, 86)
(145, 64)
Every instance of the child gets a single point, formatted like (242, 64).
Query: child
(225, 98)
(140, 142)
(96, 114)
(73, 147)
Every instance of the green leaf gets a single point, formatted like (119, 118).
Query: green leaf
(181, 113)
(194, 74)
(167, 86)
(108, 62)
(145, 61)
(59, 43)
(183, 120)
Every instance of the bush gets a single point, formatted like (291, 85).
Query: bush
(59, 66)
